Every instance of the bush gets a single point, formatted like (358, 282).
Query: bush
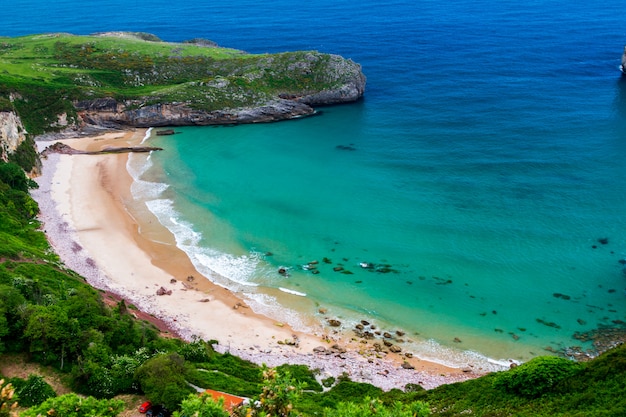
(221, 382)
(75, 406)
(26, 156)
(32, 391)
(234, 366)
(202, 405)
(328, 382)
(196, 351)
(13, 175)
(536, 377)
(302, 374)
(368, 407)
(277, 399)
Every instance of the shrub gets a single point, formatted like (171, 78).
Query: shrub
(75, 406)
(536, 377)
(13, 175)
(368, 407)
(33, 391)
(196, 351)
(328, 382)
(26, 156)
(279, 394)
(202, 405)
(302, 374)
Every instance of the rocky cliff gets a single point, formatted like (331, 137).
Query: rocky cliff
(335, 80)
(108, 112)
(12, 133)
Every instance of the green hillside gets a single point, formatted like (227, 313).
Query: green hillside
(43, 76)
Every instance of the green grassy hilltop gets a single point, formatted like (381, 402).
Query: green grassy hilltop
(44, 76)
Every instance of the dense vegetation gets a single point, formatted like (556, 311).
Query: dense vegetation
(52, 316)
(42, 76)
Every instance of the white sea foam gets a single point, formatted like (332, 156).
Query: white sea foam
(224, 269)
(147, 135)
(164, 210)
(294, 292)
(147, 190)
(269, 306)
(137, 165)
(236, 269)
(432, 351)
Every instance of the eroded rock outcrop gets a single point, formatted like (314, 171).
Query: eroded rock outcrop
(12, 133)
(108, 112)
(64, 149)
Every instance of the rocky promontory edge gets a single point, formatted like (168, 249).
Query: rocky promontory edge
(200, 90)
(110, 113)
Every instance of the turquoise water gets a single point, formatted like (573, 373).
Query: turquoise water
(479, 235)
(483, 166)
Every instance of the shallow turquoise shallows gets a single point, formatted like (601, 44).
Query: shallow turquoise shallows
(476, 198)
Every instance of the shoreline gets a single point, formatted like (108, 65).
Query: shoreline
(89, 219)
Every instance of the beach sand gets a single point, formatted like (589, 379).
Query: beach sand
(87, 213)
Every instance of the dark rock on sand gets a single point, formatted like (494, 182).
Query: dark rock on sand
(334, 322)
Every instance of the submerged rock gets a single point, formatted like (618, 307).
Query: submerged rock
(548, 323)
(561, 296)
(165, 132)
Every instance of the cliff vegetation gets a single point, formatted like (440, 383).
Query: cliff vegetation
(56, 81)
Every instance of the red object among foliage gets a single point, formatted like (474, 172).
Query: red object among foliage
(230, 401)
(145, 407)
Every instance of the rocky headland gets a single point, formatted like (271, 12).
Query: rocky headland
(140, 81)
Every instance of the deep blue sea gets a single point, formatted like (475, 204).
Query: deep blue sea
(482, 179)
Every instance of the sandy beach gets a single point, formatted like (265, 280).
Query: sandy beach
(86, 211)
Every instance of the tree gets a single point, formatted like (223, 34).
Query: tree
(71, 405)
(123, 368)
(52, 335)
(277, 398)
(201, 406)
(162, 379)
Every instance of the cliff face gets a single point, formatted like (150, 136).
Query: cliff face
(12, 134)
(108, 112)
(347, 75)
